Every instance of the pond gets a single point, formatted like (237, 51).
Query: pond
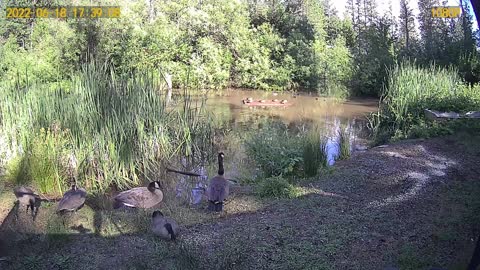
(303, 111)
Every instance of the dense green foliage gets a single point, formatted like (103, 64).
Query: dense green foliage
(118, 129)
(279, 151)
(411, 90)
(254, 44)
(314, 152)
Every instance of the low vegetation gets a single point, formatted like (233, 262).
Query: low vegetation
(410, 90)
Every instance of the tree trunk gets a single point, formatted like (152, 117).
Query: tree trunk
(168, 80)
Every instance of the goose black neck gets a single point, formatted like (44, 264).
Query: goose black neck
(220, 165)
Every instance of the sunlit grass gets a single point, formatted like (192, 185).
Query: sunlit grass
(412, 89)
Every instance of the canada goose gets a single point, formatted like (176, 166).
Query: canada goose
(218, 188)
(262, 101)
(275, 93)
(283, 101)
(72, 200)
(26, 197)
(275, 100)
(163, 226)
(249, 99)
(140, 197)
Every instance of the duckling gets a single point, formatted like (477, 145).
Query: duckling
(72, 200)
(163, 226)
(26, 197)
(218, 189)
(140, 197)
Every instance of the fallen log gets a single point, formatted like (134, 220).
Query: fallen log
(184, 173)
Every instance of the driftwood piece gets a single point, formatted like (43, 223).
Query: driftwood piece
(436, 115)
(181, 172)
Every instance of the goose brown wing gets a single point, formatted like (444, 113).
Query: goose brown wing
(218, 190)
(72, 200)
(139, 197)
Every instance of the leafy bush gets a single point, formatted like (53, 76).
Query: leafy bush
(276, 187)
(276, 151)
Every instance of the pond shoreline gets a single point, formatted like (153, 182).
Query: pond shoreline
(382, 207)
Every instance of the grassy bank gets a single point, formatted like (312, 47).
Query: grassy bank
(412, 89)
(363, 215)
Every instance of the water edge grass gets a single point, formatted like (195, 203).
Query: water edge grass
(117, 128)
(410, 90)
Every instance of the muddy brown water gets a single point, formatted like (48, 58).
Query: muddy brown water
(305, 110)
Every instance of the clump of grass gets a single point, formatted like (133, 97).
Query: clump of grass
(344, 145)
(412, 89)
(276, 187)
(314, 152)
(43, 166)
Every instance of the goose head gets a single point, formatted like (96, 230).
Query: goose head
(157, 214)
(153, 186)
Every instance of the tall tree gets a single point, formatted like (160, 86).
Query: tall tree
(431, 30)
(407, 32)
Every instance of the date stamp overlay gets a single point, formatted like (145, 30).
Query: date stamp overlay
(75, 12)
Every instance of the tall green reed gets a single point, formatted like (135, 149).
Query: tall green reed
(411, 89)
(344, 145)
(314, 151)
(120, 127)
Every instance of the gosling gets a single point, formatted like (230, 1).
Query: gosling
(26, 197)
(163, 226)
(72, 200)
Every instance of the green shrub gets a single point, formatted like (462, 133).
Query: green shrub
(275, 151)
(276, 187)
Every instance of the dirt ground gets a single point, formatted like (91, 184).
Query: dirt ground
(409, 205)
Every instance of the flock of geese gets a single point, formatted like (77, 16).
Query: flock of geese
(139, 197)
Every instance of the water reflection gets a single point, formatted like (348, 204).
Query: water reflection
(305, 111)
